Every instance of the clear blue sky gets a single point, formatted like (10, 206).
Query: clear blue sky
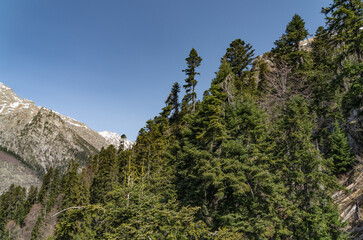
(111, 63)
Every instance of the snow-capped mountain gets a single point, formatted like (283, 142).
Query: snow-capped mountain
(43, 138)
(115, 139)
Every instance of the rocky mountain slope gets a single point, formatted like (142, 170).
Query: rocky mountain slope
(13, 171)
(43, 138)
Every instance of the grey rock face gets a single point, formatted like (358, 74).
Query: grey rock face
(12, 171)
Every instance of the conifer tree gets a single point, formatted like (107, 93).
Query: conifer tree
(239, 55)
(213, 107)
(354, 97)
(262, 70)
(107, 175)
(344, 21)
(304, 172)
(323, 82)
(123, 142)
(339, 151)
(344, 27)
(172, 103)
(251, 188)
(54, 189)
(30, 201)
(193, 61)
(71, 186)
(12, 204)
(287, 47)
(32, 196)
(44, 190)
(74, 222)
(144, 215)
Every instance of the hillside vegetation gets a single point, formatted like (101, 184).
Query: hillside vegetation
(258, 157)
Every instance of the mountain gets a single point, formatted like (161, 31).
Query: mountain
(115, 139)
(41, 138)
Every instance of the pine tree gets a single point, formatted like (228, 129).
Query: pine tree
(172, 103)
(44, 190)
(354, 97)
(123, 142)
(32, 196)
(30, 201)
(339, 151)
(213, 106)
(323, 82)
(304, 173)
(193, 61)
(74, 222)
(344, 21)
(239, 55)
(145, 215)
(54, 189)
(71, 186)
(107, 175)
(287, 47)
(262, 69)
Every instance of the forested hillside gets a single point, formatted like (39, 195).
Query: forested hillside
(258, 156)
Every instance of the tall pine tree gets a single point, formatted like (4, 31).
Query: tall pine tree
(193, 61)
(287, 47)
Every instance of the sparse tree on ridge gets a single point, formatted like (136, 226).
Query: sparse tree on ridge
(172, 102)
(287, 47)
(239, 55)
(193, 61)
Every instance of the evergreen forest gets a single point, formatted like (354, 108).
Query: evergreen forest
(258, 156)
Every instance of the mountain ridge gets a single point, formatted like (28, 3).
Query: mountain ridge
(44, 138)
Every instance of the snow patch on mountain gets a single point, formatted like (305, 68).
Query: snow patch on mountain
(70, 120)
(115, 139)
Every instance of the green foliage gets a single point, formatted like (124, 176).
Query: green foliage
(193, 61)
(12, 205)
(344, 20)
(31, 199)
(354, 97)
(76, 224)
(239, 55)
(44, 190)
(172, 104)
(304, 173)
(135, 213)
(287, 47)
(213, 108)
(339, 151)
(228, 166)
(106, 175)
(322, 76)
(35, 235)
(73, 224)
(262, 69)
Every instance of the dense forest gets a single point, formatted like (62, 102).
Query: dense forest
(258, 156)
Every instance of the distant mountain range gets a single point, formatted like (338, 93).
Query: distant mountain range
(42, 138)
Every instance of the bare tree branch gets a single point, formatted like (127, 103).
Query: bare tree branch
(68, 209)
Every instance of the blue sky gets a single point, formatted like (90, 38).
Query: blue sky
(111, 63)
